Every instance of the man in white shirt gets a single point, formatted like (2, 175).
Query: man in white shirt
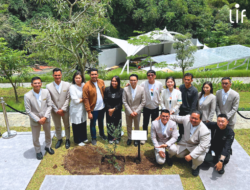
(38, 106)
(227, 101)
(164, 135)
(153, 90)
(60, 96)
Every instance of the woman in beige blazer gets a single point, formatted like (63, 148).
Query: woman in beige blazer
(207, 102)
(171, 98)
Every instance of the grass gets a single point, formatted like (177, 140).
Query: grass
(9, 98)
(180, 166)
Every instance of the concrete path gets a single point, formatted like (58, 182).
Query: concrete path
(107, 82)
(20, 120)
(18, 161)
(105, 182)
(236, 176)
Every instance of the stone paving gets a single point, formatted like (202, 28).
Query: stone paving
(20, 120)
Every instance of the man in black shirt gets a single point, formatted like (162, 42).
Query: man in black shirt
(222, 137)
(189, 99)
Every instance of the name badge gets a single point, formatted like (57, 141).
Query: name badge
(171, 129)
(65, 91)
(44, 99)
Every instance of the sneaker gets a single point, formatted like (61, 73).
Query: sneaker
(81, 144)
(86, 140)
(104, 137)
(143, 142)
(196, 171)
(111, 142)
(93, 142)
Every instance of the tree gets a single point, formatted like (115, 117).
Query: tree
(65, 42)
(184, 51)
(145, 40)
(13, 65)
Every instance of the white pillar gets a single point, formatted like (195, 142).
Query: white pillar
(125, 66)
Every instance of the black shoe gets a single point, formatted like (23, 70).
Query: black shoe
(196, 171)
(168, 159)
(93, 142)
(67, 144)
(222, 171)
(104, 137)
(136, 143)
(129, 142)
(179, 138)
(58, 144)
(39, 156)
(49, 150)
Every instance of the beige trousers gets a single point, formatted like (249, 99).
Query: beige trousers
(129, 121)
(36, 134)
(172, 150)
(195, 162)
(58, 125)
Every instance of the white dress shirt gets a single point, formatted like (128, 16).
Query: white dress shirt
(225, 95)
(38, 97)
(193, 129)
(133, 92)
(99, 102)
(77, 110)
(58, 87)
(202, 99)
(163, 128)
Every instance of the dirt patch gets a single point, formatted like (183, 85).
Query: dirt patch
(87, 160)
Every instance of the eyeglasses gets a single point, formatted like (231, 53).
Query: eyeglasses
(150, 75)
(225, 83)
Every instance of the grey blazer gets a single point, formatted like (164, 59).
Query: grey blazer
(169, 138)
(198, 143)
(154, 103)
(135, 105)
(59, 100)
(32, 108)
(207, 107)
(231, 106)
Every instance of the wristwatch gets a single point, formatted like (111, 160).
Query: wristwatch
(221, 161)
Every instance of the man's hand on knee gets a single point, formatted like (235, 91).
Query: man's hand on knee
(188, 158)
(162, 154)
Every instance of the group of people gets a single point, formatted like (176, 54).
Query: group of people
(198, 138)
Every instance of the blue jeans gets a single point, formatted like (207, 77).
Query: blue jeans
(100, 116)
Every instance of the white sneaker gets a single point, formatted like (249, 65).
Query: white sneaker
(81, 144)
(111, 142)
(143, 142)
(86, 140)
(122, 133)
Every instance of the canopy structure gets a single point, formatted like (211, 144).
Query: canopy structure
(130, 50)
(211, 56)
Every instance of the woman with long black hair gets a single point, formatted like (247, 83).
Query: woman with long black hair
(207, 102)
(113, 106)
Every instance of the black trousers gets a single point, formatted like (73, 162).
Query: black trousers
(146, 116)
(215, 159)
(79, 132)
(114, 120)
(181, 128)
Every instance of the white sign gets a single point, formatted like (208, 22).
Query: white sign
(139, 135)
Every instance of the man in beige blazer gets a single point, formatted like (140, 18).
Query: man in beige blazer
(196, 141)
(227, 101)
(164, 135)
(38, 106)
(134, 100)
(59, 92)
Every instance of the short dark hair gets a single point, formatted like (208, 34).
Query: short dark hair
(151, 71)
(189, 75)
(57, 69)
(93, 69)
(222, 115)
(172, 78)
(76, 73)
(133, 75)
(35, 78)
(165, 111)
(226, 78)
(198, 112)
